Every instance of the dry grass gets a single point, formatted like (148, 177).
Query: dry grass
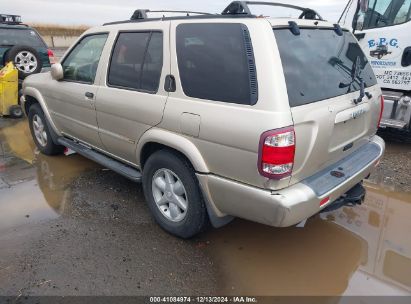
(59, 30)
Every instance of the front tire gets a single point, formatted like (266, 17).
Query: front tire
(173, 194)
(41, 133)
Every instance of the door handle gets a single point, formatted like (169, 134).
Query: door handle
(170, 84)
(89, 95)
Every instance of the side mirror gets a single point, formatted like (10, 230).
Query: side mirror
(57, 71)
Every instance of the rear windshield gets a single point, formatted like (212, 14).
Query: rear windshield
(20, 37)
(318, 64)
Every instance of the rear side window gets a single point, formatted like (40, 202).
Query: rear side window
(216, 62)
(318, 64)
(137, 61)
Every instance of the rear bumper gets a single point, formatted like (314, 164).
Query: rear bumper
(300, 201)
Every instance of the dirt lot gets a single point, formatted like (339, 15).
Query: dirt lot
(71, 227)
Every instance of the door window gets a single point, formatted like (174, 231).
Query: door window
(381, 13)
(137, 61)
(82, 62)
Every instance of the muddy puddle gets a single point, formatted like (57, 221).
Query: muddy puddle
(365, 250)
(33, 186)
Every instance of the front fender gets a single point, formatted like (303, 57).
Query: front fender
(175, 141)
(34, 93)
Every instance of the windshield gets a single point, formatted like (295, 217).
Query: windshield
(318, 64)
(10, 36)
(381, 13)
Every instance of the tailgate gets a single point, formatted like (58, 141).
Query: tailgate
(324, 72)
(329, 130)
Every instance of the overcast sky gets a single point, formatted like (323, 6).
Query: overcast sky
(94, 12)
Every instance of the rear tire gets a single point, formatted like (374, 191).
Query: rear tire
(41, 133)
(173, 194)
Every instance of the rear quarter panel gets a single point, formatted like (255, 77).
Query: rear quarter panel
(229, 134)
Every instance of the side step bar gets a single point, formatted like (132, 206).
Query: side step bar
(108, 162)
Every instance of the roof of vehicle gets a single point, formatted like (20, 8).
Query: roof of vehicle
(14, 26)
(274, 22)
(236, 10)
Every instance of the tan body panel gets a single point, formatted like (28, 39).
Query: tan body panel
(319, 140)
(124, 115)
(228, 129)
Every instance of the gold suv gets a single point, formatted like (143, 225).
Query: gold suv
(219, 116)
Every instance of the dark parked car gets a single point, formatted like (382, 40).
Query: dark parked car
(24, 46)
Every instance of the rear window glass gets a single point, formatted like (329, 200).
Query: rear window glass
(318, 64)
(20, 37)
(216, 62)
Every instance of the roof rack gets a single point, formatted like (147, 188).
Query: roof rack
(242, 8)
(142, 13)
(10, 19)
(236, 9)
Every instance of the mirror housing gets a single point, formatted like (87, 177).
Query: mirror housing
(57, 71)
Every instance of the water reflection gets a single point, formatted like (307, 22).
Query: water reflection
(364, 250)
(33, 186)
(383, 223)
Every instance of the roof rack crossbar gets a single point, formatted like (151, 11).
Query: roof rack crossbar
(142, 13)
(242, 8)
(10, 19)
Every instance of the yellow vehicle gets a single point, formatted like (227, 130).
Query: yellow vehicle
(9, 86)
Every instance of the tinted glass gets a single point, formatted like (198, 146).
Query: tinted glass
(153, 64)
(214, 64)
(381, 13)
(137, 61)
(82, 62)
(20, 37)
(319, 64)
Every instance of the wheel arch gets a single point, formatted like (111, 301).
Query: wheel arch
(157, 139)
(32, 96)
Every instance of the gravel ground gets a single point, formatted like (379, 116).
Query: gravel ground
(394, 169)
(105, 243)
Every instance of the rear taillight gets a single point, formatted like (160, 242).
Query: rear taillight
(381, 111)
(51, 56)
(276, 153)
